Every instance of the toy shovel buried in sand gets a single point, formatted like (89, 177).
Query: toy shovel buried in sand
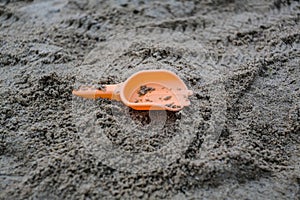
(144, 90)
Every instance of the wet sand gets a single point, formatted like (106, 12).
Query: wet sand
(239, 138)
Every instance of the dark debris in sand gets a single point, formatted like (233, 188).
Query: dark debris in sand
(144, 90)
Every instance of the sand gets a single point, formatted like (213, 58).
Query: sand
(239, 138)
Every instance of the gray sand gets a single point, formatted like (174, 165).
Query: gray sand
(239, 139)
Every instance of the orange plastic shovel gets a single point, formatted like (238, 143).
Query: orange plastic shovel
(144, 90)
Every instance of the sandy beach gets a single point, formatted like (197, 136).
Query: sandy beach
(239, 138)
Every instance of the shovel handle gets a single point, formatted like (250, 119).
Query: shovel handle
(107, 92)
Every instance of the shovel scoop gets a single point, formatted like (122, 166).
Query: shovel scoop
(144, 90)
